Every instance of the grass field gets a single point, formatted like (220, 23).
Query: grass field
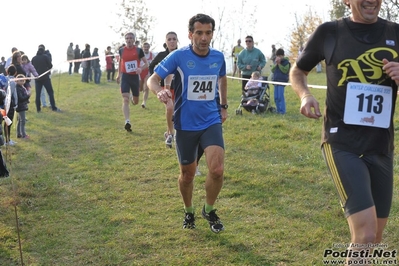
(89, 193)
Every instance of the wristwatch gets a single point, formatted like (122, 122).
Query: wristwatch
(224, 106)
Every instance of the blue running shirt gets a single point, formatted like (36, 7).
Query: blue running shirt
(195, 85)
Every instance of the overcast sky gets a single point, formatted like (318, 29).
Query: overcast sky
(55, 24)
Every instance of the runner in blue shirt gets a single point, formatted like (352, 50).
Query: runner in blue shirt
(199, 82)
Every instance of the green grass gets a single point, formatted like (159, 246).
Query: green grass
(89, 193)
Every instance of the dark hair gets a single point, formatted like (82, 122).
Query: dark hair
(171, 32)
(11, 70)
(25, 57)
(249, 37)
(280, 51)
(201, 18)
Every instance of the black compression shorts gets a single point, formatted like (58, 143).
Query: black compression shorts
(362, 181)
(187, 142)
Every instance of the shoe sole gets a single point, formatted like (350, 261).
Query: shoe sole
(216, 231)
(191, 226)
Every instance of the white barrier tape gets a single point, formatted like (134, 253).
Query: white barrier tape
(31, 78)
(83, 59)
(281, 83)
(90, 58)
(70, 61)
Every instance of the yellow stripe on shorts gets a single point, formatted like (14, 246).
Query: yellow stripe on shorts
(334, 173)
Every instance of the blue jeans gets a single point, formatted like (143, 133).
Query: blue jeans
(85, 74)
(21, 124)
(97, 75)
(279, 99)
(43, 96)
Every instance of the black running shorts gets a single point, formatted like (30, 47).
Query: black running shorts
(130, 82)
(187, 142)
(361, 181)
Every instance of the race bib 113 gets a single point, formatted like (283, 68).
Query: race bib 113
(368, 105)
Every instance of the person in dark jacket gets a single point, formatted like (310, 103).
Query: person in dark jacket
(77, 56)
(86, 65)
(280, 69)
(3, 66)
(43, 65)
(22, 107)
(95, 64)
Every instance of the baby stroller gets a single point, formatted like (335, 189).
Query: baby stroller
(255, 100)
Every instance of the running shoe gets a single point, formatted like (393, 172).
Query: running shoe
(214, 222)
(128, 127)
(189, 221)
(169, 141)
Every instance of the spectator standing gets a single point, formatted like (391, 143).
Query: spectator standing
(95, 64)
(110, 64)
(234, 54)
(280, 70)
(77, 55)
(42, 63)
(190, 65)
(22, 107)
(11, 73)
(3, 66)
(44, 94)
(318, 68)
(128, 75)
(86, 65)
(273, 55)
(249, 60)
(8, 62)
(70, 57)
(358, 128)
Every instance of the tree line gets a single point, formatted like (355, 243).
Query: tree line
(135, 16)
